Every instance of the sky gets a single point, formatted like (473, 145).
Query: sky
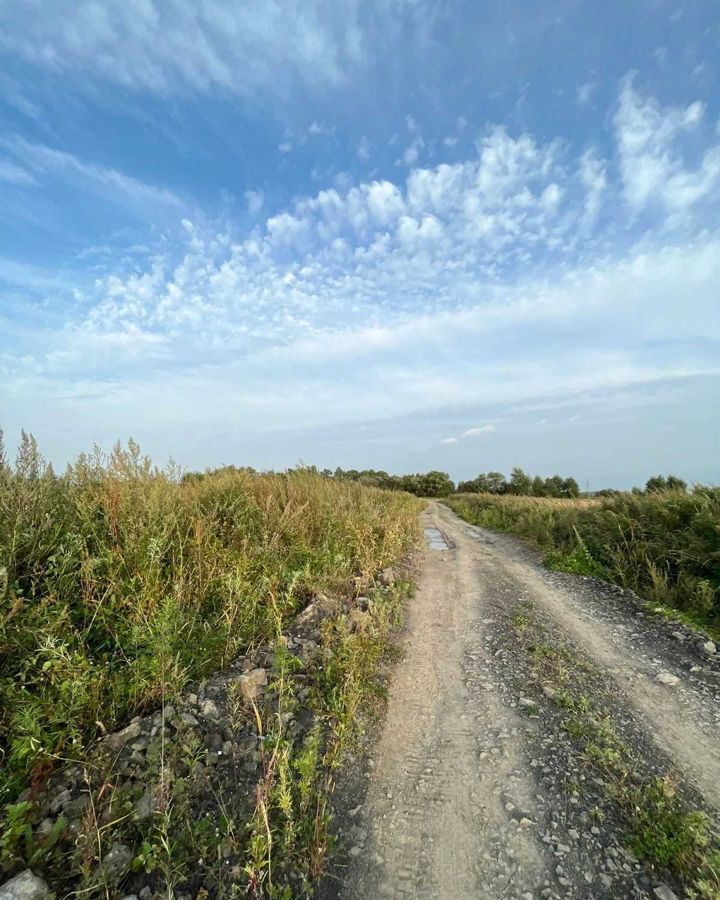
(393, 234)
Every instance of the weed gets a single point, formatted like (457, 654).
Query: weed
(120, 582)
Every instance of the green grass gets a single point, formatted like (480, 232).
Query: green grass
(119, 583)
(664, 546)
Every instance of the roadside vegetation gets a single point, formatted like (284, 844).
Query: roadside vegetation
(663, 825)
(120, 583)
(663, 544)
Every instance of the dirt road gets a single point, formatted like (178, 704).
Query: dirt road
(476, 788)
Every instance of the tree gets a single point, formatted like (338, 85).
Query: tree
(435, 484)
(520, 483)
(538, 487)
(496, 483)
(676, 484)
(571, 488)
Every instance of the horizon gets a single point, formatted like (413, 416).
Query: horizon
(162, 465)
(394, 235)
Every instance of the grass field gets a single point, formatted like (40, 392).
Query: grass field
(120, 582)
(664, 546)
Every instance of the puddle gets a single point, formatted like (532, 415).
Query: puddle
(436, 539)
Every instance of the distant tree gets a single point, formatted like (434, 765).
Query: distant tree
(520, 483)
(554, 486)
(538, 487)
(571, 488)
(435, 484)
(496, 483)
(676, 484)
(656, 484)
(660, 483)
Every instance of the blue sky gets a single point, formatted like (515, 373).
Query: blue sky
(378, 233)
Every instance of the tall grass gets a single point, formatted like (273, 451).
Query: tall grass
(664, 546)
(119, 583)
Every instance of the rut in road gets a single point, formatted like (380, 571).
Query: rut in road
(469, 795)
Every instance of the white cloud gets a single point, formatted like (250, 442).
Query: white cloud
(320, 128)
(255, 201)
(593, 175)
(476, 432)
(585, 92)
(167, 47)
(484, 282)
(650, 152)
(41, 161)
(285, 147)
(411, 154)
(470, 433)
(15, 174)
(363, 148)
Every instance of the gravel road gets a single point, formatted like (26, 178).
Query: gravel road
(474, 788)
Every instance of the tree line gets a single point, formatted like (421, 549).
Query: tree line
(439, 484)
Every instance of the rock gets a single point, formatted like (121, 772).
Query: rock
(130, 897)
(549, 692)
(678, 635)
(116, 864)
(355, 851)
(526, 702)
(145, 806)
(708, 648)
(168, 712)
(209, 710)
(667, 678)
(59, 801)
(145, 893)
(73, 809)
(45, 827)
(189, 719)
(253, 683)
(360, 620)
(363, 603)
(214, 742)
(387, 577)
(118, 740)
(24, 886)
(665, 892)
(317, 611)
